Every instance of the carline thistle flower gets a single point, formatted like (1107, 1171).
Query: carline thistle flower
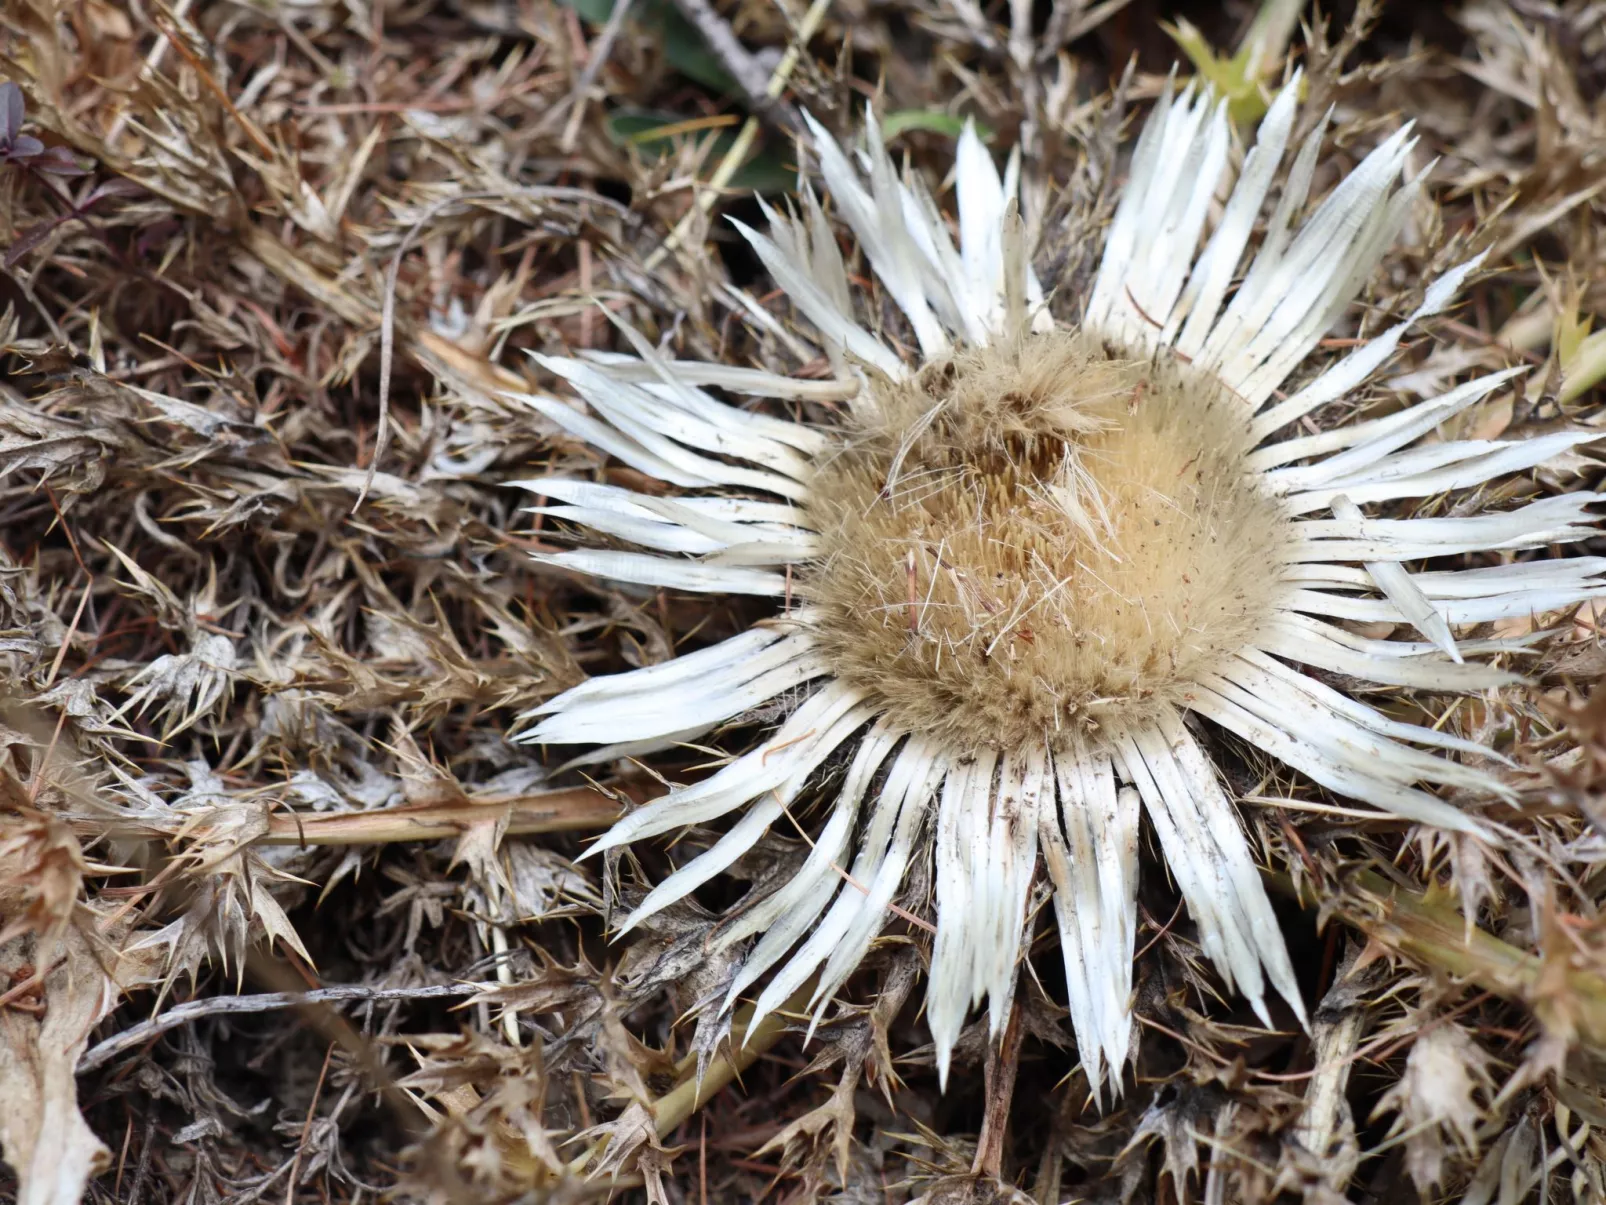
(1014, 568)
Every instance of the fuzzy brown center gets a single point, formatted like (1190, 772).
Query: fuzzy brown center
(1038, 537)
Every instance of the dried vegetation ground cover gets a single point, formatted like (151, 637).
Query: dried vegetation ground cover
(266, 619)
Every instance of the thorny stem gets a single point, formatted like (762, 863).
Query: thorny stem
(1402, 920)
(1439, 936)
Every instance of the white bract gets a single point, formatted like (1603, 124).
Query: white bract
(1015, 566)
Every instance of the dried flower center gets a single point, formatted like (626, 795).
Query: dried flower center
(1038, 536)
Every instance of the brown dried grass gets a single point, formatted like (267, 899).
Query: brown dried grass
(265, 617)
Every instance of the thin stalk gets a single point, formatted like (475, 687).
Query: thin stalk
(691, 1092)
(1266, 40)
(579, 809)
(740, 1053)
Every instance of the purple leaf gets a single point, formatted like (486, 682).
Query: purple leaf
(11, 111)
(25, 146)
(117, 186)
(59, 161)
(156, 235)
(30, 238)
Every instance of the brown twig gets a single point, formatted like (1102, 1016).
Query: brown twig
(306, 1127)
(578, 810)
(1003, 1062)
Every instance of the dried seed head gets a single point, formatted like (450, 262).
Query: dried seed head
(1041, 535)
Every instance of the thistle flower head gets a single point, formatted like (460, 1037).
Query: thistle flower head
(1039, 536)
(1029, 567)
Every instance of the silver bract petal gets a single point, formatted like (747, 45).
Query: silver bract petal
(1165, 285)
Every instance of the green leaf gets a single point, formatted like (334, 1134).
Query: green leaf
(1230, 78)
(1243, 80)
(931, 120)
(683, 45)
(595, 11)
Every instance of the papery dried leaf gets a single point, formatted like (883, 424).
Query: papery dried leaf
(50, 1148)
(1436, 1099)
(41, 877)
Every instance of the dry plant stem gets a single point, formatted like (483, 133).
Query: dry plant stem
(737, 154)
(212, 1006)
(1003, 1061)
(504, 976)
(578, 810)
(306, 1128)
(743, 67)
(1069, 20)
(1334, 1046)
(740, 1053)
(387, 335)
(595, 60)
(1439, 936)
